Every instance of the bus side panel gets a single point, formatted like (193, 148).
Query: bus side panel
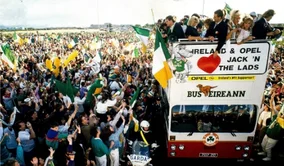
(196, 149)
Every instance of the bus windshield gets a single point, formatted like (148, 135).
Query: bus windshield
(215, 118)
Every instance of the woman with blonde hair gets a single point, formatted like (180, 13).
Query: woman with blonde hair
(191, 31)
(246, 27)
(233, 25)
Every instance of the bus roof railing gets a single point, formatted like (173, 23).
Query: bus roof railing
(233, 41)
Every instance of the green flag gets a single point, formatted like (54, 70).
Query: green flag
(136, 52)
(134, 97)
(142, 34)
(8, 56)
(15, 36)
(67, 89)
(70, 90)
(76, 40)
(95, 89)
(96, 39)
(227, 8)
(86, 57)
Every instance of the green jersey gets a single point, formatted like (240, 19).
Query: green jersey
(275, 131)
(179, 65)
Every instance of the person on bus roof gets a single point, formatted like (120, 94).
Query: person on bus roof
(217, 29)
(262, 29)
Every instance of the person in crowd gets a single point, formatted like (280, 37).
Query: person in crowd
(264, 120)
(27, 137)
(100, 150)
(87, 124)
(274, 132)
(8, 98)
(113, 135)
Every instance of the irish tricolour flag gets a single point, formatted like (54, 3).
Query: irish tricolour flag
(142, 34)
(8, 56)
(161, 69)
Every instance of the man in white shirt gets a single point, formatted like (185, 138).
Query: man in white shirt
(67, 101)
(264, 115)
(101, 107)
(114, 85)
(262, 126)
(27, 139)
(80, 102)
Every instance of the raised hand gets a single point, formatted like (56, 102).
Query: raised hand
(29, 125)
(51, 150)
(34, 161)
(78, 128)
(69, 138)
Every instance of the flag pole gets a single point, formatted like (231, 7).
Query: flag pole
(153, 16)
(203, 7)
(155, 25)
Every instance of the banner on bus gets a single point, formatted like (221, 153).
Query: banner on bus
(216, 91)
(189, 59)
(221, 78)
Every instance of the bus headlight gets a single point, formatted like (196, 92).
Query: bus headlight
(173, 153)
(245, 155)
(238, 148)
(173, 147)
(246, 148)
(181, 147)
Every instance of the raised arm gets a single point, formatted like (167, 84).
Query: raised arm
(120, 129)
(33, 135)
(116, 118)
(20, 153)
(49, 159)
(72, 115)
(272, 104)
(1, 130)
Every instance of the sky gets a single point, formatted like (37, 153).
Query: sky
(83, 13)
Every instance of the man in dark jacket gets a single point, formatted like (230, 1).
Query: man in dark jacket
(218, 29)
(175, 30)
(262, 29)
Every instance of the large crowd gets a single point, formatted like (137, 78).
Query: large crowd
(85, 110)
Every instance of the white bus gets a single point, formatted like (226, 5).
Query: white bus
(214, 102)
